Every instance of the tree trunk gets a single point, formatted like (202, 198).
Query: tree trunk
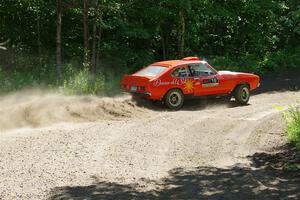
(164, 38)
(85, 33)
(99, 45)
(181, 34)
(163, 43)
(39, 39)
(95, 37)
(58, 40)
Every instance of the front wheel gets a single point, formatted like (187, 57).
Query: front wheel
(174, 99)
(242, 94)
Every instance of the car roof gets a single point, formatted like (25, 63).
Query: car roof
(174, 63)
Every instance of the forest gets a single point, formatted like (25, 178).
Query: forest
(85, 46)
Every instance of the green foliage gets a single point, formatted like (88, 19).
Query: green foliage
(20, 79)
(272, 61)
(75, 82)
(247, 63)
(293, 20)
(251, 36)
(293, 127)
(83, 82)
(290, 167)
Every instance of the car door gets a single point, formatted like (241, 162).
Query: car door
(206, 80)
(182, 79)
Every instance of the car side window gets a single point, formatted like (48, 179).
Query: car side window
(181, 72)
(201, 69)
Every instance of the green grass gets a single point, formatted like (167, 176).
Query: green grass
(75, 82)
(293, 126)
(83, 82)
(27, 72)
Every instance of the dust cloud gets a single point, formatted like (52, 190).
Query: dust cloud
(36, 108)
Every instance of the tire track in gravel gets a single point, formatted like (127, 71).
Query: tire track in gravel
(135, 150)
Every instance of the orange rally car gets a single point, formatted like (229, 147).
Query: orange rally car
(172, 81)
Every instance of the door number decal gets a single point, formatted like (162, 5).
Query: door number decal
(210, 82)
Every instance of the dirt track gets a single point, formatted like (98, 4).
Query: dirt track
(198, 152)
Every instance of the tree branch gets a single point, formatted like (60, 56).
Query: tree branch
(4, 43)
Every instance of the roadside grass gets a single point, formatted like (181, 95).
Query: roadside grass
(293, 126)
(75, 81)
(83, 82)
(27, 72)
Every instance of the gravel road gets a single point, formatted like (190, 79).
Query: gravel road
(133, 156)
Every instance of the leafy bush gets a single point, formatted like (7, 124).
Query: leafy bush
(17, 80)
(271, 61)
(293, 127)
(74, 81)
(78, 80)
(248, 63)
(281, 59)
(84, 82)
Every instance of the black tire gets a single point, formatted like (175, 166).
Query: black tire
(174, 99)
(242, 94)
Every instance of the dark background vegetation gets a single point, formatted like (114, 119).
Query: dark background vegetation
(103, 39)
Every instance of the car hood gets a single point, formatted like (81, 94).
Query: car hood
(230, 73)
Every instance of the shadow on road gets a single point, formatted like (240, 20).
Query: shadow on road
(263, 181)
(192, 104)
(275, 82)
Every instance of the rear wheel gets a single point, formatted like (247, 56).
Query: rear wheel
(174, 99)
(242, 94)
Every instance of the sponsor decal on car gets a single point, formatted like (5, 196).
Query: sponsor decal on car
(211, 82)
(189, 86)
(177, 81)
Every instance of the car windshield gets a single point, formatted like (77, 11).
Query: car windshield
(151, 71)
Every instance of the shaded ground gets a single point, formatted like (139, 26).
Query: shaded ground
(199, 152)
(263, 181)
(170, 155)
(275, 82)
